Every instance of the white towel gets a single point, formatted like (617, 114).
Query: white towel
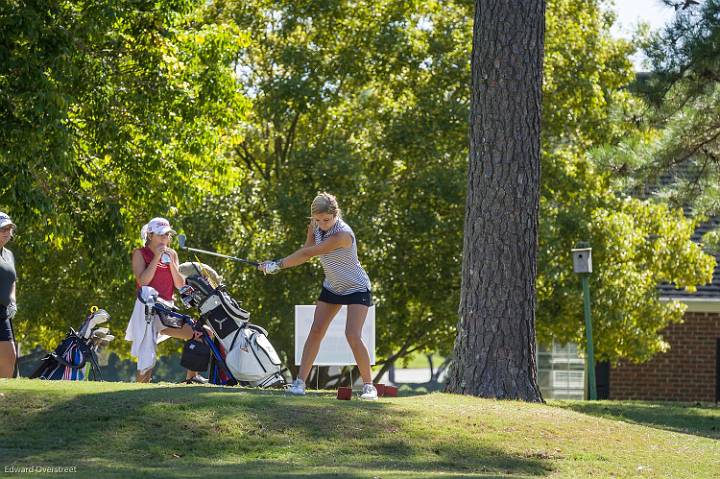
(144, 336)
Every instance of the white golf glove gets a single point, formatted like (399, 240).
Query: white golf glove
(271, 267)
(10, 310)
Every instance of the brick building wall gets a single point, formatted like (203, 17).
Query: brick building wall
(687, 372)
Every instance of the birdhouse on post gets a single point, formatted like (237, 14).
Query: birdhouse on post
(582, 260)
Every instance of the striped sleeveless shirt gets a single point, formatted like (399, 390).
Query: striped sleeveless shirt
(343, 273)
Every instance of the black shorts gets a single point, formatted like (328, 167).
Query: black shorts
(6, 330)
(362, 297)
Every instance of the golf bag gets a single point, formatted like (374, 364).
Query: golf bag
(75, 352)
(248, 354)
(68, 361)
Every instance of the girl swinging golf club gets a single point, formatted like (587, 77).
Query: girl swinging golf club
(155, 265)
(346, 283)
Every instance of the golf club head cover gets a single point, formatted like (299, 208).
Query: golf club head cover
(192, 268)
(100, 316)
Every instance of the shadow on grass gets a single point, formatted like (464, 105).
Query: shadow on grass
(419, 389)
(203, 431)
(695, 420)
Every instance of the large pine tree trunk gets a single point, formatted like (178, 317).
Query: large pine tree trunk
(495, 345)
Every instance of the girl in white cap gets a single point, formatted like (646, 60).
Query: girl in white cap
(8, 277)
(155, 265)
(346, 283)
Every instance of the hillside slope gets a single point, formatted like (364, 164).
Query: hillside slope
(124, 430)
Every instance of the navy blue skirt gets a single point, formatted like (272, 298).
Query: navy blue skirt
(361, 297)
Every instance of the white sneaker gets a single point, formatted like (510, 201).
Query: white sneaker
(369, 392)
(297, 388)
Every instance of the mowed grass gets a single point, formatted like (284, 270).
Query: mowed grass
(126, 430)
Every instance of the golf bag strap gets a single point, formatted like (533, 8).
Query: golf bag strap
(232, 344)
(62, 362)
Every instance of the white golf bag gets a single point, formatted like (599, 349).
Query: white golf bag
(248, 353)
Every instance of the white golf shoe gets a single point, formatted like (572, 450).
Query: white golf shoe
(297, 388)
(369, 393)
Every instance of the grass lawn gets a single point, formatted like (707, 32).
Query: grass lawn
(127, 431)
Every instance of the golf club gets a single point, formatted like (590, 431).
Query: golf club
(101, 332)
(181, 244)
(101, 342)
(97, 336)
(98, 317)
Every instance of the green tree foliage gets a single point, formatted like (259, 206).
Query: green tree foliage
(682, 140)
(386, 131)
(636, 244)
(383, 129)
(112, 112)
(669, 135)
(229, 116)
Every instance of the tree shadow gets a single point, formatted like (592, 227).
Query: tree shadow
(688, 419)
(197, 431)
(419, 389)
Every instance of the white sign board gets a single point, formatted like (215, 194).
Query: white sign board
(334, 348)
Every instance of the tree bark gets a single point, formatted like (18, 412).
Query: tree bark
(495, 346)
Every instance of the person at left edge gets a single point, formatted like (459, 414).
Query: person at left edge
(8, 304)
